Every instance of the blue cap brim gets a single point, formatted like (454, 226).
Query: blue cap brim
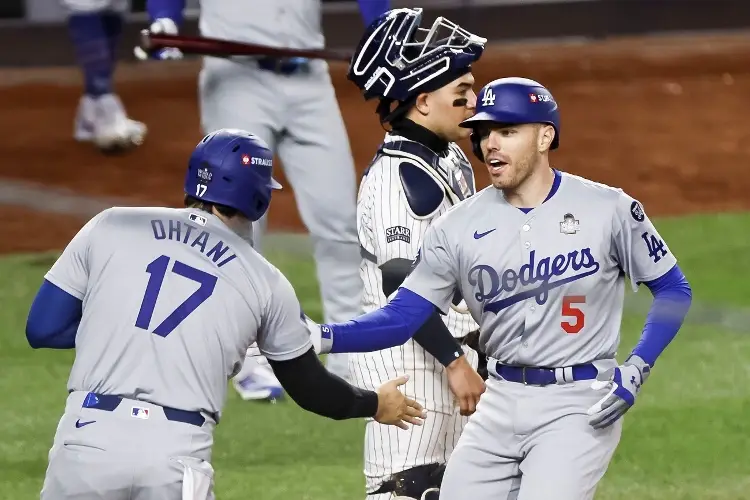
(482, 116)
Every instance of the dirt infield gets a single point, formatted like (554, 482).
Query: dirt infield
(663, 118)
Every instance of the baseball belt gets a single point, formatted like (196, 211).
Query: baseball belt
(541, 376)
(108, 402)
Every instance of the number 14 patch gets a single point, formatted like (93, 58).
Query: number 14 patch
(655, 246)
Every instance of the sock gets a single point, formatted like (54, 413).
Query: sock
(113, 29)
(92, 47)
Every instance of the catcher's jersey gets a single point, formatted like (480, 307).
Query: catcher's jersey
(276, 23)
(387, 224)
(546, 286)
(390, 228)
(172, 298)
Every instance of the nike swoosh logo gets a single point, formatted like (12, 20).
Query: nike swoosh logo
(80, 424)
(482, 235)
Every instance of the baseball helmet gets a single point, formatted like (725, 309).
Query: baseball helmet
(396, 59)
(232, 167)
(513, 101)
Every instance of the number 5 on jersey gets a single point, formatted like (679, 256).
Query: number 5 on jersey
(158, 270)
(569, 310)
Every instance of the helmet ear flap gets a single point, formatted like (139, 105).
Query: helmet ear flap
(475, 147)
(260, 204)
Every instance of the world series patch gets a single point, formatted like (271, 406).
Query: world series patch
(636, 210)
(398, 233)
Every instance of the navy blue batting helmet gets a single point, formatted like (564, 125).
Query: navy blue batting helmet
(232, 167)
(514, 101)
(396, 59)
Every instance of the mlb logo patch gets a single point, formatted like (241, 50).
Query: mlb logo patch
(198, 219)
(532, 97)
(139, 412)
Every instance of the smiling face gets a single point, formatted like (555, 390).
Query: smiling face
(512, 152)
(442, 110)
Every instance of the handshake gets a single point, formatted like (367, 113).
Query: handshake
(464, 381)
(166, 26)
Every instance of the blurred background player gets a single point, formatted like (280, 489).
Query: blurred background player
(418, 173)
(101, 119)
(291, 105)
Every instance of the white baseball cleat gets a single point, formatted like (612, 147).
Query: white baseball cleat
(103, 122)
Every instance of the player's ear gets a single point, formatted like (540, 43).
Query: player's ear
(546, 135)
(422, 104)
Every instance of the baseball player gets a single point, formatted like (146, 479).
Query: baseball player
(94, 27)
(161, 305)
(417, 174)
(541, 258)
(291, 105)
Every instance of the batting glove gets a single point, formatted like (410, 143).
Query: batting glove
(624, 383)
(166, 26)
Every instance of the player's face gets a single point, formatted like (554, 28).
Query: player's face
(511, 152)
(450, 105)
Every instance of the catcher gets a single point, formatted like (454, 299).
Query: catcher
(418, 173)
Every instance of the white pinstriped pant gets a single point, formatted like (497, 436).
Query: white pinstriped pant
(389, 449)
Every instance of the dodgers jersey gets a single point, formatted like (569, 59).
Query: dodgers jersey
(547, 286)
(294, 24)
(172, 299)
(387, 224)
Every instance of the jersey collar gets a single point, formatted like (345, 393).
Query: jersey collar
(417, 133)
(552, 191)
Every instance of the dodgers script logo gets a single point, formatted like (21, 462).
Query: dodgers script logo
(489, 284)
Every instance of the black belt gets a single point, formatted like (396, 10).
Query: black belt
(531, 375)
(285, 66)
(108, 402)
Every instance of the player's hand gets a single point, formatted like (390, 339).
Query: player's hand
(396, 409)
(624, 383)
(466, 384)
(166, 26)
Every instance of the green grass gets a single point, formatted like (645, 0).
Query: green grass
(688, 437)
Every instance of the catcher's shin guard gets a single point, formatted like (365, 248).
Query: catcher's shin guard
(420, 483)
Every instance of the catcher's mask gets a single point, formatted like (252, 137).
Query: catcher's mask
(396, 60)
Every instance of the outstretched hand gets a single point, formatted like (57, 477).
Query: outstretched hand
(394, 408)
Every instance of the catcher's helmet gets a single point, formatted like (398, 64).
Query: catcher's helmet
(514, 101)
(396, 59)
(232, 167)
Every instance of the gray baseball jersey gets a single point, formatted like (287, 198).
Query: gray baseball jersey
(172, 298)
(547, 286)
(277, 23)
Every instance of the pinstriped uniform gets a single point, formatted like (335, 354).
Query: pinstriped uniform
(389, 229)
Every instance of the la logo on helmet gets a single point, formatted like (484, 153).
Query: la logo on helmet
(488, 99)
